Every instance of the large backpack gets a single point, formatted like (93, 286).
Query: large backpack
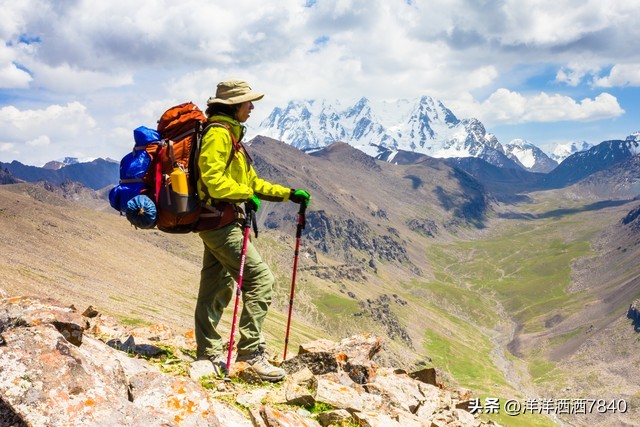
(181, 129)
(170, 198)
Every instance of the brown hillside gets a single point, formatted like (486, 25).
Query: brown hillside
(417, 253)
(360, 204)
(54, 247)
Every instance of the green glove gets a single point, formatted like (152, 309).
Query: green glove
(300, 197)
(253, 203)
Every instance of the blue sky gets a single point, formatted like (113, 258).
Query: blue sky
(77, 77)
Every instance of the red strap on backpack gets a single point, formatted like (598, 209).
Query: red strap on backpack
(159, 175)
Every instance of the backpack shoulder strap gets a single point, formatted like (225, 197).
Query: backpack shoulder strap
(235, 145)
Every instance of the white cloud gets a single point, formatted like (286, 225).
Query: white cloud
(11, 77)
(65, 79)
(70, 119)
(508, 107)
(7, 147)
(126, 61)
(556, 22)
(39, 141)
(56, 128)
(620, 75)
(574, 74)
(436, 44)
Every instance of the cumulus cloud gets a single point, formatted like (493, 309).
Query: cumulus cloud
(70, 119)
(55, 127)
(11, 76)
(574, 74)
(505, 106)
(555, 22)
(432, 42)
(7, 147)
(124, 62)
(620, 75)
(65, 79)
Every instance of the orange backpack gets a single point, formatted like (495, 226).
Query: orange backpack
(174, 172)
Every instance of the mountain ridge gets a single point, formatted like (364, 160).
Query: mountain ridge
(424, 125)
(97, 174)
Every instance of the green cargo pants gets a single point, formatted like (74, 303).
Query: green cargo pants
(220, 268)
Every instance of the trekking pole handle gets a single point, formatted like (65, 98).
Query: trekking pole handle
(250, 219)
(301, 220)
(248, 215)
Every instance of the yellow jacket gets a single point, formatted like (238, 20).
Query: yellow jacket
(239, 181)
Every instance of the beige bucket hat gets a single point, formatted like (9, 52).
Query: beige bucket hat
(234, 92)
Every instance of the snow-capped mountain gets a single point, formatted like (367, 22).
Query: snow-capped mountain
(423, 126)
(597, 158)
(59, 164)
(562, 151)
(529, 156)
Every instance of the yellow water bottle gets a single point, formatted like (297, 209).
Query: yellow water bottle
(179, 181)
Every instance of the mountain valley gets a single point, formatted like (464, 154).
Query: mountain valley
(510, 288)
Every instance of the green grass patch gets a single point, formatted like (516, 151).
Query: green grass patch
(527, 272)
(541, 370)
(479, 307)
(169, 362)
(336, 306)
(133, 321)
(319, 407)
(561, 339)
(468, 362)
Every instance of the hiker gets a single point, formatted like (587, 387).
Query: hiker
(228, 177)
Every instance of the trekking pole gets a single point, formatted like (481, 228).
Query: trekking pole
(247, 231)
(301, 224)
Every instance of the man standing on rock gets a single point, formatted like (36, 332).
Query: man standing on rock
(228, 179)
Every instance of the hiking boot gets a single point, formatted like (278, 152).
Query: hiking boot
(219, 363)
(265, 370)
(263, 349)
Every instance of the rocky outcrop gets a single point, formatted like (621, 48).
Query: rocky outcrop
(426, 227)
(53, 373)
(337, 273)
(631, 218)
(6, 177)
(57, 369)
(351, 237)
(364, 393)
(380, 311)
